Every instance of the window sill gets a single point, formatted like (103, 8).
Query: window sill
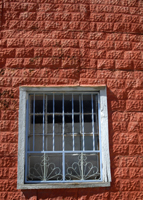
(61, 185)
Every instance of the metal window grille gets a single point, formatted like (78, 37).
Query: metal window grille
(63, 137)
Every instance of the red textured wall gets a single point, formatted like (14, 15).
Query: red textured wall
(75, 42)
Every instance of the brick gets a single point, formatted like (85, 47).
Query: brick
(15, 42)
(136, 195)
(121, 117)
(123, 46)
(14, 62)
(121, 149)
(124, 64)
(115, 55)
(134, 172)
(35, 61)
(4, 185)
(9, 52)
(121, 9)
(9, 93)
(124, 27)
(24, 52)
(4, 103)
(12, 173)
(121, 173)
(134, 105)
(36, 42)
(3, 195)
(133, 55)
(105, 64)
(4, 125)
(105, 74)
(112, 83)
(133, 127)
(5, 81)
(97, 17)
(138, 65)
(9, 115)
(7, 137)
(135, 149)
(113, 18)
(109, 45)
(128, 138)
(130, 161)
(120, 126)
(8, 162)
(104, 26)
(127, 185)
(3, 173)
(119, 94)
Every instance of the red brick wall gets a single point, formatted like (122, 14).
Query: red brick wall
(75, 42)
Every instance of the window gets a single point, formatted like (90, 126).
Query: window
(63, 137)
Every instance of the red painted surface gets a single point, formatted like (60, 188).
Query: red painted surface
(75, 42)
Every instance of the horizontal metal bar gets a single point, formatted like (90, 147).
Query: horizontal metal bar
(66, 134)
(73, 152)
(51, 113)
(76, 181)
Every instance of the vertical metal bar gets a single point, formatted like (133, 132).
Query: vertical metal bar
(82, 123)
(73, 121)
(99, 138)
(63, 120)
(46, 138)
(96, 115)
(34, 122)
(27, 128)
(82, 178)
(44, 175)
(53, 122)
(43, 118)
(63, 154)
(93, 122)
(80, 135)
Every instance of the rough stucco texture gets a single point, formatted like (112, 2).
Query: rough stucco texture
(75, 42)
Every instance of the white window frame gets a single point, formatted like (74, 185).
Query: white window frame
(103, 128)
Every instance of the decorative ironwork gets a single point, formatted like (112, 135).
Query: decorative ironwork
(45, 171)
(82, 170)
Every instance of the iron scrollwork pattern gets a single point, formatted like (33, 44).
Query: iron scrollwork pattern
(45, 171)
(82, 170)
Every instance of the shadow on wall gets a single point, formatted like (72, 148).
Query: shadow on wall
(67, 194)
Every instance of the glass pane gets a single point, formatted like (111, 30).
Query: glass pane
(58, 143)
(76, 123)
(49, 103)
(58, 124)
(82, 166)
(68, 103)
(88, 140)
(58, 103)
(44, 167)
(48, 140)
(87, 106)
(49, 124)
(30, 143)
(38, 103)
(38, 143)
(68, 143)
(87, 123)
(68, 124)
(96, 142)
(78, 142)
(76, 103)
